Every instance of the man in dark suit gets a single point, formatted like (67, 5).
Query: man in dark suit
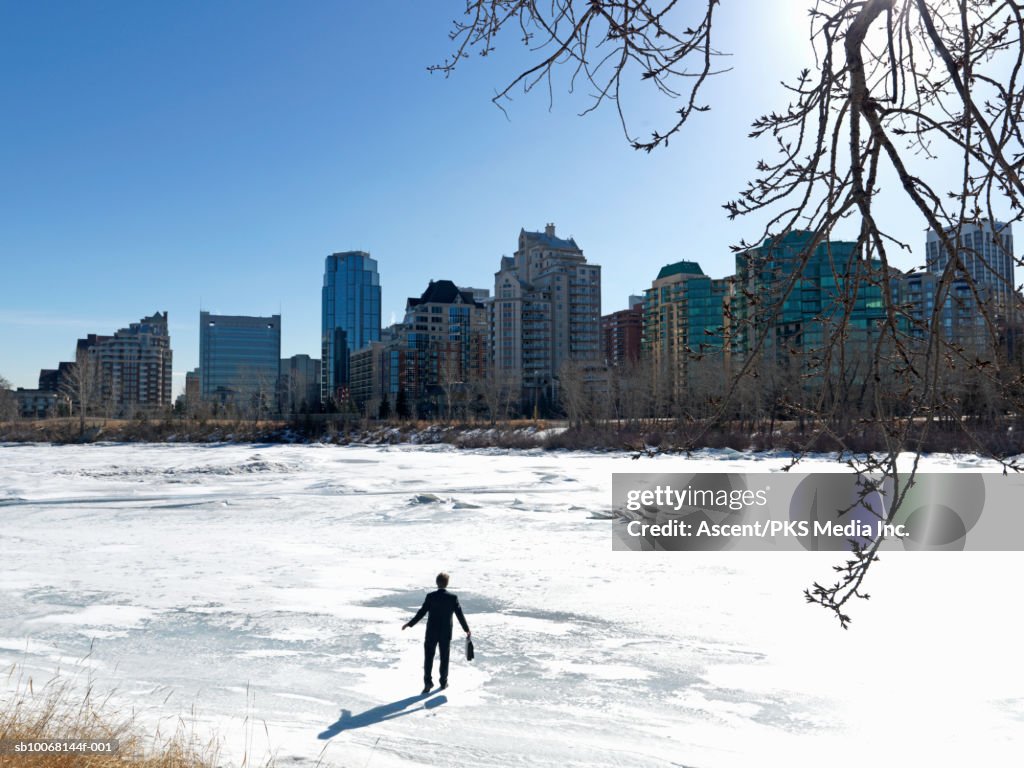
(439, 608)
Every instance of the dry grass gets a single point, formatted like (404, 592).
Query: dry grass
(59, 709)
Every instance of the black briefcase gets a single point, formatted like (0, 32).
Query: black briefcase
(469, 649)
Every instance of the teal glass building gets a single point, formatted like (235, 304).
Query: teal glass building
(685, 329)
(801, 298)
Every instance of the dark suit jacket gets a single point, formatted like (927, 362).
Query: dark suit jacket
(439, 608)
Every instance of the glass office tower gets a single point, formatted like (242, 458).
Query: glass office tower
(351, 317)
(239, 358)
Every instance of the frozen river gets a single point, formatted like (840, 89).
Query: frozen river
(235, 585)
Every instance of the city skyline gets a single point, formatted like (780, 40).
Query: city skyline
(209, 158)
(546, 236)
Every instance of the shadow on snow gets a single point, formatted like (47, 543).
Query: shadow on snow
(348, 721)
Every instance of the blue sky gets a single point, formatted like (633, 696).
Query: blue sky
(211, 154)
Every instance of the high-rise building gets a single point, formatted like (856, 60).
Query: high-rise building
(350, 317)
(192, 396)
(986, 250)
(434, 357)
(367, 383)
(622, 332)
(130, 370)
(447, 327)
(546, 312)
(684, 326)
(239, 360)
(803, 300)
(385, 370)
(959, 319)
(300, 384)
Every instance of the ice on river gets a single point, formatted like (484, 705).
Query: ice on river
(239, 585)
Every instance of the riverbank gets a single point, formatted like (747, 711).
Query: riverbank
(513, 434)
(657, 435)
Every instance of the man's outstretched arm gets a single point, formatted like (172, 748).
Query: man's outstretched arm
(461, 617)
(419, 614)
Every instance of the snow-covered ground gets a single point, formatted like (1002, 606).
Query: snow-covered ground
(259, 592)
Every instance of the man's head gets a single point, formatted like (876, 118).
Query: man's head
(442, 580)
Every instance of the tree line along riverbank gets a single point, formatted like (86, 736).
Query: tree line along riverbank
(1002, 438)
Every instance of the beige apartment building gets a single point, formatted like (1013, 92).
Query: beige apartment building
(546, 312)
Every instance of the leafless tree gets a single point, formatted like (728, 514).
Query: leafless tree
(894, 84)
(704, 376)
(632, 393)
(81, 384)
(110, 396)
(295, 395)
(497, 392)
(8, 401)
(488, 392)
(572, 391)
(257, 392)
(450, 374)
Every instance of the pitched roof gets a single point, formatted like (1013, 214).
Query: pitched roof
(442, 292)
(551, 241)
(680, 268)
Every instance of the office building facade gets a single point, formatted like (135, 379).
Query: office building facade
(434, 359)
(959, 319)
(445, 331)
(300, 384)
(191, 394)
(986, 252)
(350, 314)
(239, 360)
(621, 334)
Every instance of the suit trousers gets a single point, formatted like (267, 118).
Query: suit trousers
(444, 645)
